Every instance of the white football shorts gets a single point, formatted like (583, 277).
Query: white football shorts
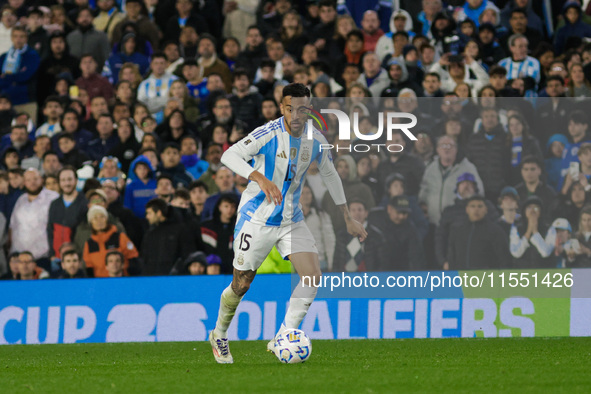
(253, 242)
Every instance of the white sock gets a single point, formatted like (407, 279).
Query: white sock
(228, 303)
(299, 303)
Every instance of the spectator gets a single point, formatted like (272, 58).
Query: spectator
(71, 266)
(29, 219)
(553, 163)
(509, 206)
(10, 159)
(108, 17)
(13, 267)
(402, 162)
(574, 26)
(477, 243)
(51, 164)
(18, 69)
(253, 53)
(246, 101)
(164, 188)
(137, 19)
(374, 77)
(94, 196)
(165, 241)
(174, 128)
(370, 25)
(213, 158)
(217, 232)
(395, 186)
(402, 243)
(225, 185)
(105, 237)
(488, 150)
(171, 165)
(132, 224)
(11, 191)
(129, 52)
(28, 269)
(52, 110)
(154, 90)
(128, 147)
(71, 154)
(522, 143)
(71, 125)
(518, 21)
(520, 65)
(184, 17)
(466, 70)
(190, 159)
(569, 203)
(350, 254)
(438, 185)
(86, 39)
(214, 264)
(466, 187)
(19, 140)
(142, 188)
(583, 258)
(65, 213)
(528, 247)
(9, 20)
(198, 192)
(107, 140)
(553, 113)
(114, 263)
(38, 38)
(353, 187)
(193, 264)
(578, 132)
(209, 61)
(532, 185)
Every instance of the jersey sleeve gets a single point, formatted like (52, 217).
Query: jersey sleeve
(237, 156)
(330, 176)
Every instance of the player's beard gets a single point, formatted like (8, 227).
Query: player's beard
(296, 130)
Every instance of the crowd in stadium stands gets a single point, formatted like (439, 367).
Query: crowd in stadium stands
(114, 115)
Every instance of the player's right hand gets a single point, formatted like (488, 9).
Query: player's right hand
(269, 188)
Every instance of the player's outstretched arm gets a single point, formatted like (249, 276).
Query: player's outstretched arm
(354, 228)
(236, 159)
(269, 188)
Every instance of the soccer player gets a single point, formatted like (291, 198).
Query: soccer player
(269, 214)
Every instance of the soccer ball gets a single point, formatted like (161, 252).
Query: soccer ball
(293, 346)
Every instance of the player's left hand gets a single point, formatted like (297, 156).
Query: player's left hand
(356, 229)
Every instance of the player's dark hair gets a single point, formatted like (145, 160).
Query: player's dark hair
(296, 90)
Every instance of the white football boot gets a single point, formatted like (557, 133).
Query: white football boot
(273, 342)
(221, 349)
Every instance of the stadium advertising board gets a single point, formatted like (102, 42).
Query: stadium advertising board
(185, 309)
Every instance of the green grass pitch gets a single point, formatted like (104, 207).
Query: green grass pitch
(360, 366)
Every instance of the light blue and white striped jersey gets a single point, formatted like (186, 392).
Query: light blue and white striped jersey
(153, 91)
(529, 67)
(284, 160)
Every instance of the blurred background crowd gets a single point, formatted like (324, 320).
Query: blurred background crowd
(114, 115)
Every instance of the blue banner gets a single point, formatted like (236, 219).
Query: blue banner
(185, 309)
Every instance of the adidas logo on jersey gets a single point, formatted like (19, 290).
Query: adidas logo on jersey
(282, 155)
